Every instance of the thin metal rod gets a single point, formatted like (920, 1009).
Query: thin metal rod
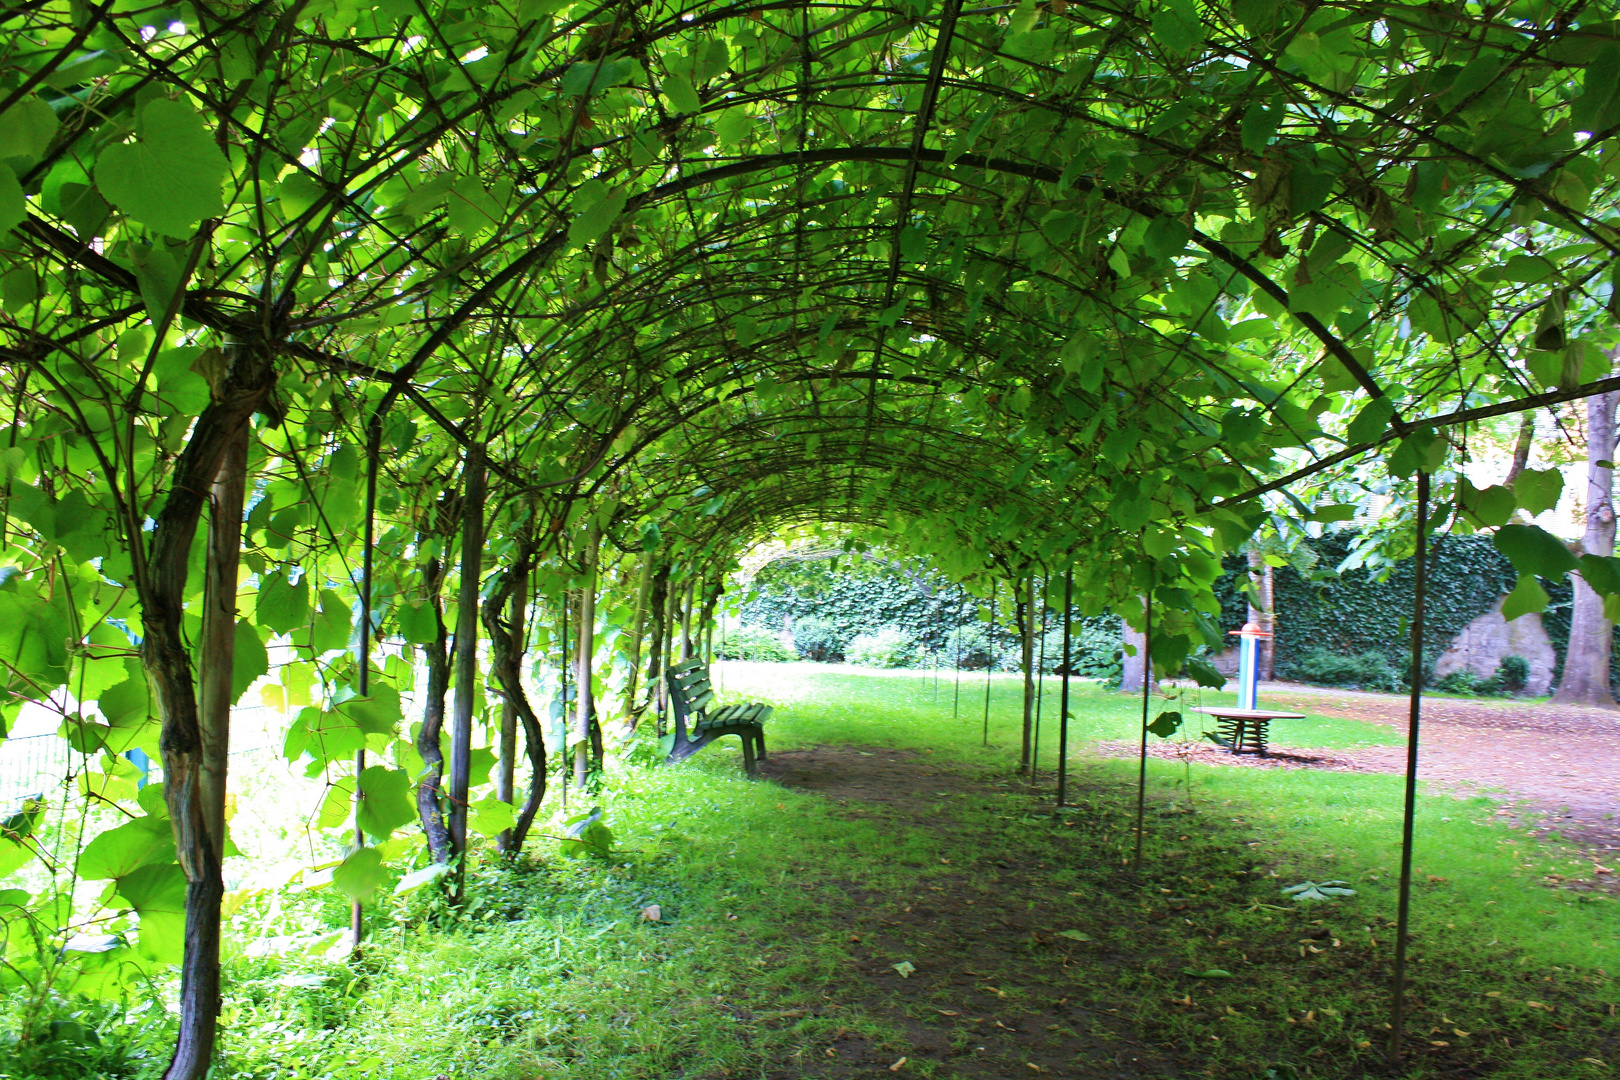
(1063, 695)
(357, 917)
(1040, 681)
(1397, 1021)
(956, 700)
(989, 669)
(1147, 685)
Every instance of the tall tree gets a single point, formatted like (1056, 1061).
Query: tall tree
(1585, 680)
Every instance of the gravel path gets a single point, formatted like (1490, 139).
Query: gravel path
(1556, 766)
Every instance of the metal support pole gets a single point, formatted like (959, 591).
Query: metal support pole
(1397, 1022)
(1147, 688)
(1063, 696)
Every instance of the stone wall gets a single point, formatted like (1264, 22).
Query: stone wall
(1483, 644)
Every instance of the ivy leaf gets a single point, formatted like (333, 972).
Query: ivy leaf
(26, 129)
(1259, 125)
(169, 179)
(1527, 596)
(360, 874)
(733, 126)
(119, 852)
(488, 816)
(682, 95)
(418, 878)
(1177, 27)
(1489, 506)
(158, 895)
(385, 801)
(1319, 890)
(1370, 422)
(1598, 107)
(1538, 490)
(282, 606)
(596, 218)
(1534, 551)
(13, 207)
(1166, 724)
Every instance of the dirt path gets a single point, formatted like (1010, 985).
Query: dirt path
(1033, 949)
(989, 999)
(1556, 767)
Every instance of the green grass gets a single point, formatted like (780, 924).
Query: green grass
(551, 969)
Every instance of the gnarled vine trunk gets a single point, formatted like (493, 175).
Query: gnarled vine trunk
(194, 743)
(429, 745)
(509, 595)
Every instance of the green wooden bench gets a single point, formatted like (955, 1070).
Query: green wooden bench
(696, 725)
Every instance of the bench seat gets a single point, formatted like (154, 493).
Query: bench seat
(696, 725)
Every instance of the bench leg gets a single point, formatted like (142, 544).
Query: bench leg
(748, 755)
(759, 745)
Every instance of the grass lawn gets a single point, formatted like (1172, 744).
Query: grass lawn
(784, 920)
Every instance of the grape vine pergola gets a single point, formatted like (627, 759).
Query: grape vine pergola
(353, 328)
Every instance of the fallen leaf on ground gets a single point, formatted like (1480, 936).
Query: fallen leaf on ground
(1212, 973)
(896, 1067)
(905, 968)
(652, 913)
(1074, 935)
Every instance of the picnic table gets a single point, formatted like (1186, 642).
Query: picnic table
(1244, 730)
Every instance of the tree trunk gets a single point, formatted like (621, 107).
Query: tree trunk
(212, 466)
(1521, 449)
(1585, 680)
(656, 654)
(1134, 668)
(461, 722)
(638, 626)
(510, 595)
(506, 649)
(686, 619)
(429, 737)
(1260, 612)
(584, 718)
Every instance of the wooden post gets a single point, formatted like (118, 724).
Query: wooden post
(461, 721)
(583, 653)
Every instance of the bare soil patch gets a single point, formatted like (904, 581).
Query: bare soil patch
(994, 993)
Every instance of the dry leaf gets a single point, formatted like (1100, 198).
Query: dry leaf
(897, 1066)
(652, 913)
(905, 968)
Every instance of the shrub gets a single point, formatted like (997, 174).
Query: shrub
(886, 647)
(1366, 671)
(819, 640)
(1513, 674)
(754, 643)
(967, 647)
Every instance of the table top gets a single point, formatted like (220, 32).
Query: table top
(1248, 714)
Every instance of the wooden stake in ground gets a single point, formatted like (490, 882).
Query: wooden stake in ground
(1026, 630)
(1415, 706)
